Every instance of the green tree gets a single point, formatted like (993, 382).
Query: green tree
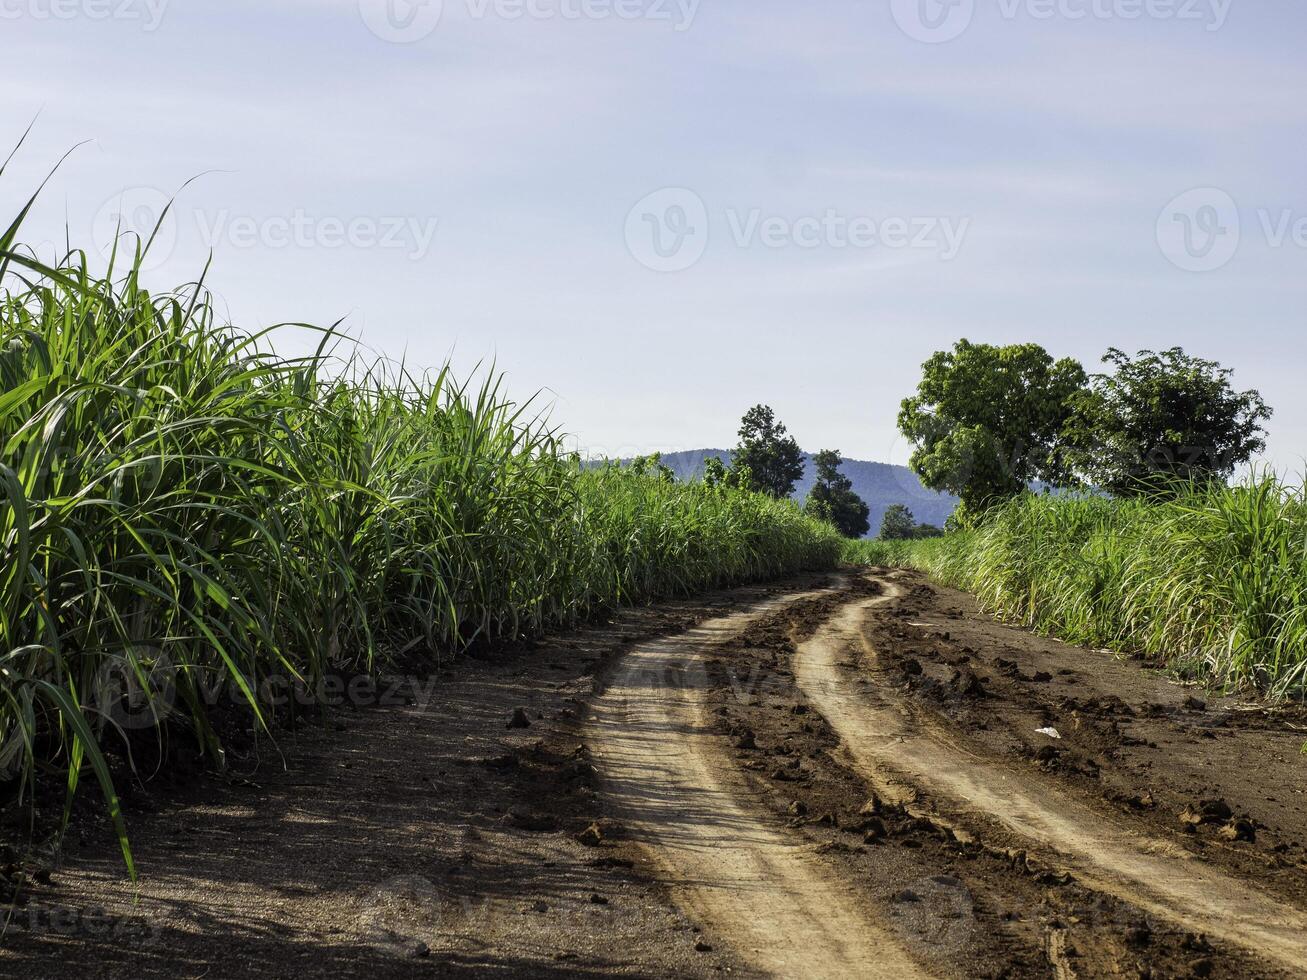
(898, 524)
(715, 473)
(1161, 419)
(767, 460)
(653, 466)
(986, 421)
(832, 498)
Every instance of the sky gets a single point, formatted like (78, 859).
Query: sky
(652, 214)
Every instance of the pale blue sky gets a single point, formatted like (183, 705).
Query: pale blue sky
(483, 176)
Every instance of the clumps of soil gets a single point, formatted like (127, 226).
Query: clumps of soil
(966, 684)
(1207, 811)
(968, 905)
(485, 796)
(1135, 801)
(1217, 815)
(19, 873)
(528, 820)
(1129, 738)
(518, 719)
(556, 782)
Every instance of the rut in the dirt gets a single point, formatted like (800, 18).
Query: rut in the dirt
(672, 787)
(899, 750)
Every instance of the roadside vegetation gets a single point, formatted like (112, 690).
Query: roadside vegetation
(182, 509)
(769, 460)
(898, 524)
(1211, 581)
(1148, 547)
(832, 498)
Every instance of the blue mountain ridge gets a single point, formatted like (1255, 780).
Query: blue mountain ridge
(879, 484)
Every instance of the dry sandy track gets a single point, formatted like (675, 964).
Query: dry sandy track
(676, 791)
(901, 751)
(735, 741)
(1116, 895)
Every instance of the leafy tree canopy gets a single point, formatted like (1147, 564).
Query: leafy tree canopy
(767, 460)
(986, 421)
(832, 498)
(1161, 419)
(898, 524)
(715, 473)
(653, 466)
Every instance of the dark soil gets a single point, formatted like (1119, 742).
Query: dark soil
(460, 828)
(437, 831)
(967, 904)
(1222, 777)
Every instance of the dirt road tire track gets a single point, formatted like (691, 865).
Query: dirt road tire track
(673, 789)
(894, 748)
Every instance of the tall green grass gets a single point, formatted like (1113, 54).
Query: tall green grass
(874, 551)
(1212, 583)
(181, 508)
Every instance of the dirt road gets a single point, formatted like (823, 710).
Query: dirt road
(790, 779)
(674, 790)
(853, 775)
(892, 745)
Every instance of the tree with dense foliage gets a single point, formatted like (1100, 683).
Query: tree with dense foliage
(986, 421)
(715, 473)
(767, 460)
(1159, 421)
(653, 465)
(832, 498)
(719, 475)
(898, 524)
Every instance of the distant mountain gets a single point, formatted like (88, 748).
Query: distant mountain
(879, 484)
